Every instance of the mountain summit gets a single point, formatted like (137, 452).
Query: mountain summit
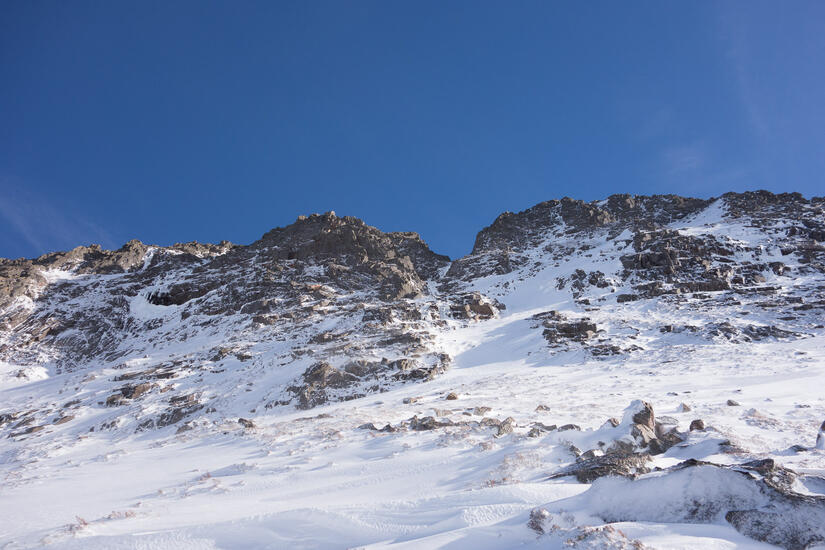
(428, 379)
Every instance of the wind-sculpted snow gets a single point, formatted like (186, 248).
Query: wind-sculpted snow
(334, 386)
(757, 498)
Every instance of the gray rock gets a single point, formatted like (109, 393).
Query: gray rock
(697, 425)
(613, 464)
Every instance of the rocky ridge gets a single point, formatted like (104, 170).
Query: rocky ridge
(360, 308)
(191, 338)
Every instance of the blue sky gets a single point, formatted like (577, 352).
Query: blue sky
(198, 120)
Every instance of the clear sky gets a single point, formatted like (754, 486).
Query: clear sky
(196, 120)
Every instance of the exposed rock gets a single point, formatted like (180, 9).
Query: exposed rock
(182, 407)
(569, 427)
(644, 416)
(697, 425)
(115, 399)
(645, 431)
(318, 380)
(612, 464)
(27, 431)
(427, 423)
(562, 528)
(246, 423)
(505, 427)
(544, 427)
(133, 392)
(559, 330)
(474, 306)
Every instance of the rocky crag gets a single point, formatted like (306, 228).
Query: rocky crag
(168, 341)
(359, 309)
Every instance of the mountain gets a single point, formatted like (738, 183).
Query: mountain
(651, 360)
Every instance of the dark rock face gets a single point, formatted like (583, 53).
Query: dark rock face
(517, 231)
(670, 261)
(500, 247)
(685, 263)
(23, 277)
(399, 261)
(559, 330)
(319, 379)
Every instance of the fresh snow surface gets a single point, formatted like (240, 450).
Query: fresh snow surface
(313, 479)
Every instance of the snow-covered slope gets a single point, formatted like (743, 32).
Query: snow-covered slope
(332, 386)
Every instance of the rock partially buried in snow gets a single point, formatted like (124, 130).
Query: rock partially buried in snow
(697, 425)
(475, 306)
(246, 423)
(563, 528)
(590, 469)
(567, 427)
(758, 498)
(643, 414)
(645, 431)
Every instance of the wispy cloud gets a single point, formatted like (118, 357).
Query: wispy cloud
(740, 56)
(42, 224)
(684, 159)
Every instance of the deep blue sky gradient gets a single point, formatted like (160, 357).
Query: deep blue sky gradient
(183, 120)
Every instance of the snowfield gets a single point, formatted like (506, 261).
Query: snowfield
(324, 478)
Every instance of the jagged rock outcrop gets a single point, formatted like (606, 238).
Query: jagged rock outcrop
(335, 291)
(320, 270)
(685, 262)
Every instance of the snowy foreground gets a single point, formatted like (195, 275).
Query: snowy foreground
(320, 478)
